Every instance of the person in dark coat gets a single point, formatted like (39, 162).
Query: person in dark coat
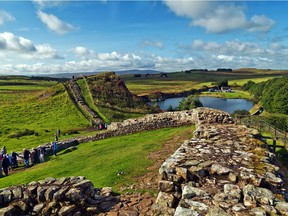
(26, 155)
(5, 164)
(14, 156)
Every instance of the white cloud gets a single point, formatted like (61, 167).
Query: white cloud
(15, 43)
(150, 43)
(261, 24)
(225, 58)
(190, 9)
(11, 44)
(216, 22)
(5, 17)
(210, 55)
(219, 17)
(83, 52)
(234, 47)
(54, 23)
(47, 3)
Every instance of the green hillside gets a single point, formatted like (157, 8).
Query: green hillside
(39, 112)
(113, 99)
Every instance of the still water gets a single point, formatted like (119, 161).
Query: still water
(227, 105)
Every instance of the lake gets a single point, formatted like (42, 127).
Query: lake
(227, 105)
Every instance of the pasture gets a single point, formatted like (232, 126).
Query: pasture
(102, 160)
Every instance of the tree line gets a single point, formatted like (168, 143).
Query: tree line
(273, 97)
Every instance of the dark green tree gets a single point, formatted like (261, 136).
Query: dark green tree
(192, 101)
(222, 83)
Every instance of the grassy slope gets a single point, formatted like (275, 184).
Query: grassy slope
(88, 98)
(113, 99)
(42, 111)
(100, 161)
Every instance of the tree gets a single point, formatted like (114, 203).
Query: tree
(222, 83)
(192, 101)
(170, 108)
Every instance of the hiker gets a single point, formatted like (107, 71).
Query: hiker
(26, 155)
(14, 156)
(58, 133)
(41, 156)
(10, 161)
(3, 150)
(5, 164)
(32, 157)
(56, 137)
(54, 148)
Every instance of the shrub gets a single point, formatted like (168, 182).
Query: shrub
(26, 132)
(192, 101)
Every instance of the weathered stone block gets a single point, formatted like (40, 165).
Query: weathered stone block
(166, 200)
(166, 186)
(254, 195)
(66, 210)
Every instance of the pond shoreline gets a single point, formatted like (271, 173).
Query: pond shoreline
(228, 105)
(200, 92)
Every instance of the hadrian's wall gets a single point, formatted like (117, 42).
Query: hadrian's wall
(151, 122)
(224, 170)
(64, 196)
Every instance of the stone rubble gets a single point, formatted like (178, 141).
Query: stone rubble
(63, 196)
(223, 170)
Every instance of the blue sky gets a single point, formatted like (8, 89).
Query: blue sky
(48, 37)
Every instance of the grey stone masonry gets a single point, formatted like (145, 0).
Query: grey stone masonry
(223, 170)
(149, 122)
(63, 196)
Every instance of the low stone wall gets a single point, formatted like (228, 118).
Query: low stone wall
(150, 122)
(63, 196)
(223, 171)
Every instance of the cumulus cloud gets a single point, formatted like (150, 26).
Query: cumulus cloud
(83, 52)
(150, 43)
(217, 22)
(5, 17)
(234, 47)
(47, 3)
(203, 54)
(54, 23)
(219, 17)
(11, 44)
(261, 24)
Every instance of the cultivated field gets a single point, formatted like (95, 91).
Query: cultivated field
(181, 81)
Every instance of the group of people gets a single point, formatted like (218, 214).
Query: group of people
(7, 161)
(35, 156)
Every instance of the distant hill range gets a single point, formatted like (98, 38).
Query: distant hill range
(121, 72)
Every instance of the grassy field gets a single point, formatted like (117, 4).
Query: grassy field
(237, 94)
(31, 117)
(181, 81)
(89, 100)
(100, 161)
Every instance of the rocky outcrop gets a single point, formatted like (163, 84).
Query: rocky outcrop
(223, 170)
(63, 196)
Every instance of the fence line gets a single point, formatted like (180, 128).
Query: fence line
(262, 126)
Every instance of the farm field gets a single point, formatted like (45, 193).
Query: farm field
(181, 81)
